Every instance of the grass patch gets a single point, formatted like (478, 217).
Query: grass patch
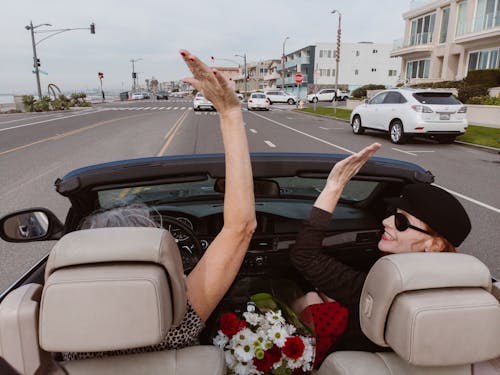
(328, 111)
(481, 135)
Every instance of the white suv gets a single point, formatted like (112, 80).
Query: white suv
(200, 102)
(412, 112)
(277, 96)
(327, 95)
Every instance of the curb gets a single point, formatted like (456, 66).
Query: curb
(484, 148)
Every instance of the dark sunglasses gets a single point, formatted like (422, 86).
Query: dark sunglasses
(401, 222)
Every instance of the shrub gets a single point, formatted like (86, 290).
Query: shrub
(484, 100)
(485, 77)
(61, 103)
(42, 104)
(29, 102)
(360, 92)
(465, 92)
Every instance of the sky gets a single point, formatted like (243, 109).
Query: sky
(154, 31)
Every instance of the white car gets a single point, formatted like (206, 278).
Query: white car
(258, 100)
(137, 96)
(327, 95)
(200, 102)
(410, 112)
(278, 96)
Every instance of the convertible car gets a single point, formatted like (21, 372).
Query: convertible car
(185, 194)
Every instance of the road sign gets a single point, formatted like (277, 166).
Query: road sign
(299, 78)
(40, 71)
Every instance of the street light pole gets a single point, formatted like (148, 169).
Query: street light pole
(35, 57)
(283, 58)
(337, 59)
(244, 57)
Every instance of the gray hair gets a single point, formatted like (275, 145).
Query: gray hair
(137, 215)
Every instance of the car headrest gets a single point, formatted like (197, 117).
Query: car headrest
(432, 308)
(112, 277)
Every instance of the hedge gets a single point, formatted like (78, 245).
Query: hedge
(360, 92)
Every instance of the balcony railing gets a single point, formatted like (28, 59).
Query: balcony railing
(421, 38)
(292, 63)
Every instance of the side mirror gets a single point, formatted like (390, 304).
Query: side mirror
(366, 101)
(34, 224)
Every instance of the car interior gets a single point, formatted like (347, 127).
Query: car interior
(438, 313)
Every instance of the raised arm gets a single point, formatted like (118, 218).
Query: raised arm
(217, 269)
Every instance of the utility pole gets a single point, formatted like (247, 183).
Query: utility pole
(134, 74)
(283, 61)
(337, 59)
(244, 57)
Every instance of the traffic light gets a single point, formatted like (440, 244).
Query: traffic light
(92, 28)
(248, 78)
(100, 75)
(37, 63)
(134, 75)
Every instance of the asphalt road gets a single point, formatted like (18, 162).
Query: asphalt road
(35, 149)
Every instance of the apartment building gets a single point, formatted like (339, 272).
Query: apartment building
(359, 64)
(261, 75)
(445, 39)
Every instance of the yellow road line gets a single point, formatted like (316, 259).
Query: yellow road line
(171, 133)
(63, 135)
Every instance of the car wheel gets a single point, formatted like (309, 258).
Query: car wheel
(315, 100)
(397, 132)
(291, 101)
(446, 139)
(356, 125)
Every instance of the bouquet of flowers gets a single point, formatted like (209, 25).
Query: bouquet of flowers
(263, 342)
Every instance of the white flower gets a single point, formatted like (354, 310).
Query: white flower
(221, 339)
(277, 334)
(252, 318)
(243, 345)
(231, 361)
(290, 329)
(274, 317)
(244, 353)
(245, 369)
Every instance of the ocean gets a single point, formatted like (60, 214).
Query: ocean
(6, 98)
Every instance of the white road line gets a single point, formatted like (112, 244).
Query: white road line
(182, 108)
(253, 131)
(497, 210)
(146, 107)
(324, 128)
(176, 108)
(169, 108)
(307, 135)
(269, 143)
(404, 152)
(43, 121)
(351, 152)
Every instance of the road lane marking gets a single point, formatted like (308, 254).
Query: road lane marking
(171, 133)
(63, 135)
(269, 143)
(44, 121)
(307, 135)
(253, 131)
(351, 152)
(324, 128)
(413, 152)
(497, 210)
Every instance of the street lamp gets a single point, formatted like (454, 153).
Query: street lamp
(36, 60)
(337, 58)
(283, 58)
(244, 57)
(134, 74)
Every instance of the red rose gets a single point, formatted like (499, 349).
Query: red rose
(262, 365)
(294, 347)
(274, 354)
(230, 324)
(271, 356)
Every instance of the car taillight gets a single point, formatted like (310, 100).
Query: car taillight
(462, 110)
(422, 108)
(250, 100)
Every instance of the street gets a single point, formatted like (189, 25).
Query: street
(35, 149)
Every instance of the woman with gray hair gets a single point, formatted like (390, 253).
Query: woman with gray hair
(215, 272)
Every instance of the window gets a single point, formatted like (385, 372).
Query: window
(422, 29)
(462, 16)
(356, 72)
(436, 98)
(374, 69)
(444, 25)
(394, 97)
(324, 72)
(325, 53)
(375, 51)
(379, 98)
(357, 53)
(393, 72)
(487, 15)
(418, 69)
(484, 59)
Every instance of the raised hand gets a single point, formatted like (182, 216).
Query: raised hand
(211, 83)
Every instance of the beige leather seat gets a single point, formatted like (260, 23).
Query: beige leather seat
(434, 310)
(105, 289)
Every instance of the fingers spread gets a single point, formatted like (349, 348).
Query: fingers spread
(220, 78)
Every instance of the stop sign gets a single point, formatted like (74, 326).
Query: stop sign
(299, 78)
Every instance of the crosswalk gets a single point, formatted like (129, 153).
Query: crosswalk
(165, 108)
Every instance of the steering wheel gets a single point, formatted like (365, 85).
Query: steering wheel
(190, 254)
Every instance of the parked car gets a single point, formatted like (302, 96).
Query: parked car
(277, 96)
(258, 100)
(186, 193)
(327, 95)
(200, 102)
(406, 112)
(162, 95)
(137, 96)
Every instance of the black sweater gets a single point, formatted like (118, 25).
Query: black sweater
(331, 277)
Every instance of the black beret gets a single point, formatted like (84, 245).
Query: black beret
(440, 210)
